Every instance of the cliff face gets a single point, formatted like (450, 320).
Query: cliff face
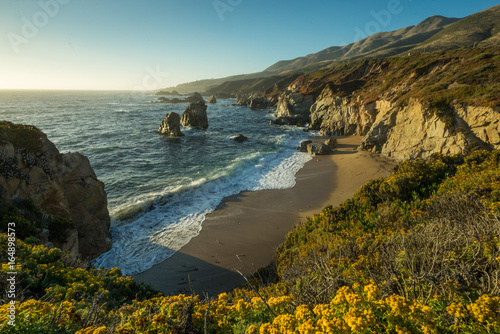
(414, 132)
(63, 186)
(405, 132)
(405, 107)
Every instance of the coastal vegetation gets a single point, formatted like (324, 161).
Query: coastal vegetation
(414, 252)
(436, 33)
(417, 251)
(437, 79)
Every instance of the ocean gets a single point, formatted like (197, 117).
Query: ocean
(160, 189)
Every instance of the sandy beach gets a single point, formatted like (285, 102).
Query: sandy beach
(251, 225)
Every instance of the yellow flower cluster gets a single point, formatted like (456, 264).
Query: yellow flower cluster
(346, 296)
(279, 303)
(359, 320)
(372, 291)
(456, 310)
(93, 330)
(486, 308)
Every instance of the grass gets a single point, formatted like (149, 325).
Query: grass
(417, 251)
(21, 136)
(27, 140)
(440, 81)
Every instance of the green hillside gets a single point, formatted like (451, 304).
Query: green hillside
(480, 29)
(436, 33)
(415, 252)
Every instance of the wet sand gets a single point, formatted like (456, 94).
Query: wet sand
(251, 225)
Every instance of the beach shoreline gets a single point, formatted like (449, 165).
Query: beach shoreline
(241, 235)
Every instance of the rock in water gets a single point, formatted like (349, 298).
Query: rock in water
(171, 125)
(303, 145)
(195, 115)
(195, 98)
(212, 99)
(240, 138)
(61, 186)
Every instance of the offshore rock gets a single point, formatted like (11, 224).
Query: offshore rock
(212, 99)
(171, 125)
(255, 101)
(259, 102)
(195, 98)
(63, 186)
(297, 120)
(303, 145)
(195, 115)
(240, 138)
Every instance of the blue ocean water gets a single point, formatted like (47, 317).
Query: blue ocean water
(160, 189)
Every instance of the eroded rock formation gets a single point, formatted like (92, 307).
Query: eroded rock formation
(60, 185)
(195, 115)
(255, 101)
(171, 125)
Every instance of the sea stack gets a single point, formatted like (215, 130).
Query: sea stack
(171, 125)
(195, 115)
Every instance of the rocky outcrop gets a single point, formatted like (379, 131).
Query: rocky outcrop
(195, 98)
(399, 131)
(212, 99)
(331, 142)
(483, 122)
(255, 101)
(303, 145)
(242, 100)
(163, 99)
(294, 104)
(166, 92)
(316, 148)
(413, 131)
(293, 109)
(60, 185)
(297, 120)
(335, 115)
(195, 115)
(171, 125)
(240, 138)
(69, 245)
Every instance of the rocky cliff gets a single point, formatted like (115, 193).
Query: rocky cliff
(60, 185)
(412, 131)
(405, 107)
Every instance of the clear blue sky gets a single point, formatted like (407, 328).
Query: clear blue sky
(133, 44)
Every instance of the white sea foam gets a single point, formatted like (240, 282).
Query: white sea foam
(164, 222)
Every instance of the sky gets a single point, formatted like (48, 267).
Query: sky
(150, 44)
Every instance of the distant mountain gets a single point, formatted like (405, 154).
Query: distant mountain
(433, 34)
(480, 29)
